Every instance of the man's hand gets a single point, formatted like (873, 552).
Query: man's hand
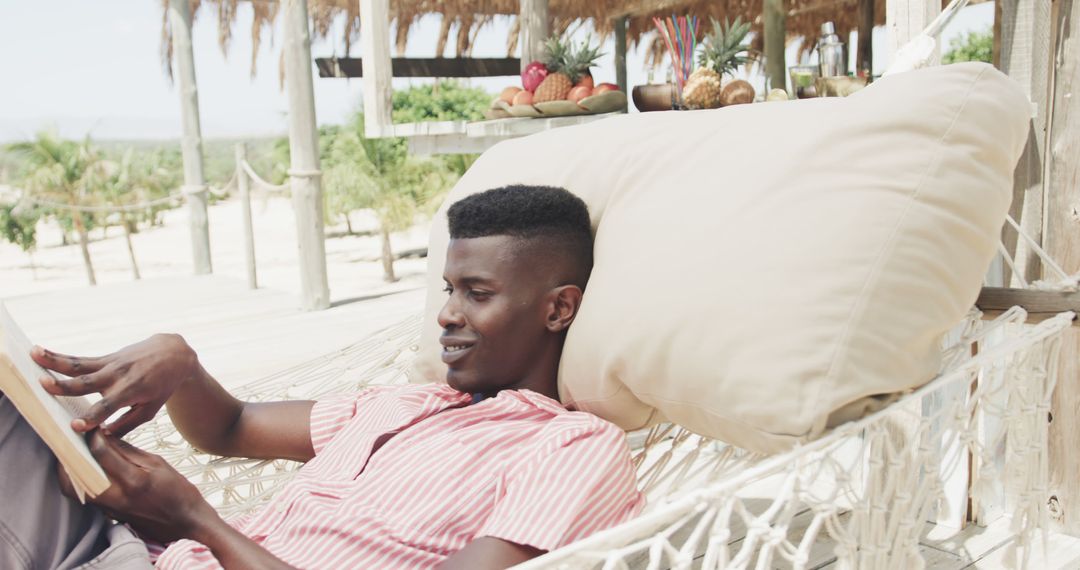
(141, 376)
(146, 492)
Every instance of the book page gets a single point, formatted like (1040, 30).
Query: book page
(49, 417)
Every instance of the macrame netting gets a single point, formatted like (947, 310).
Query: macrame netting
(862, 493)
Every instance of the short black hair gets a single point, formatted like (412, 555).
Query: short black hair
(551, 216)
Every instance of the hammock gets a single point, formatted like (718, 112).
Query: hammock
(858, 496)
(868, 485)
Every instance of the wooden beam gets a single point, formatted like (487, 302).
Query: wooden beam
(620, 55)
(191, 140)
(905, 19)
(864, 60)
(375, 43)
(1062, 241)
(642, 7)
(426, 145)
(1024, 57)
(424, 67)
(1040, 305)
(535, 28)
(775, 17)
(304, 174)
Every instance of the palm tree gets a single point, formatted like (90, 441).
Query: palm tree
(58, 173)
(113, 181)
(398, 186)
(381, 175)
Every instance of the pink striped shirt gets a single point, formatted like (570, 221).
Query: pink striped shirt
(518, 466)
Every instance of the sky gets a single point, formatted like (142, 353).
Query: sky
(92, 67)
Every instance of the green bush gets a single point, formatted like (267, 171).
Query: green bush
(973, 46)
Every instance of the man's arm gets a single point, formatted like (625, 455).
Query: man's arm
(489, 553)
(149, 494)
(164, 369)
(216, 422)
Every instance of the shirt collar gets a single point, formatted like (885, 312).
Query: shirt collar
(534, 399)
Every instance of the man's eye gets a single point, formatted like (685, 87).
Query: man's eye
(448, 290)
(479, 295)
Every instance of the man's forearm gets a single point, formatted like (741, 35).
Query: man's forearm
(204, 412)
(233, 550)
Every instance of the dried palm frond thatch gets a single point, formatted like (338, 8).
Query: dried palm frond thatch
(467, 17)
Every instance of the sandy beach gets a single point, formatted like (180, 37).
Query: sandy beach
(353, 265)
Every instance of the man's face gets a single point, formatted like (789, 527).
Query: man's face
(494, 317)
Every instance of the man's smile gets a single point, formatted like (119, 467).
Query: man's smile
(454, 349)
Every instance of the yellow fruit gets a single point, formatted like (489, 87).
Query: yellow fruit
(702, 90)
(554, 87)
(777, 95)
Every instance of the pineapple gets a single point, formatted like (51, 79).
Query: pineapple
(566, 64)
(722, 52)
(702, 89)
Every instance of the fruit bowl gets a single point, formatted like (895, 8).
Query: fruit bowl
(606, 102)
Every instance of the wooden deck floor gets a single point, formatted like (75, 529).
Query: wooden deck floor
(242, 335)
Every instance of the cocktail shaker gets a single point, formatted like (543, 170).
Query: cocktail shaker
(831, 53)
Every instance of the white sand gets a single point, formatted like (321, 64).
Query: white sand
(353, 265)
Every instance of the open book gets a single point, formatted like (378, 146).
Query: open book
(49, 415)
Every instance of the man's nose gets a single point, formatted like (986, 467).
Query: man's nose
(450, 316)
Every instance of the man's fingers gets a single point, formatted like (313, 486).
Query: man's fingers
(112, 460)
(78, 386)
(134, 418)
(64, 364)
(97, 414)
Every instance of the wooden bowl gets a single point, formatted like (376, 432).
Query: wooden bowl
(653, 97)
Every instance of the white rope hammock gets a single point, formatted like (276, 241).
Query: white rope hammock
(861, 494)
(858, 497)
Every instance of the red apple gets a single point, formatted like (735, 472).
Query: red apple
(522, 98)
(578, 93)
(586, 80)
(534, 73)
(604, 87)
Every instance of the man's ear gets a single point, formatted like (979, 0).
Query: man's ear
(565, 302)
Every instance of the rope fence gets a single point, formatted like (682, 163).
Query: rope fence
(24, 198)
(244, 180)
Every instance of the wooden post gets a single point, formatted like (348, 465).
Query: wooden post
(864, 60)
(905, 19)
(1063, 244)
(304, 174)
(378, 77)
(191, 142)
(245, 215)
(620, 55)
(535, 29)
(775, 41)
(1024, 46)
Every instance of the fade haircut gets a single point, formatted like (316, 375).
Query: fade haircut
(551, 218)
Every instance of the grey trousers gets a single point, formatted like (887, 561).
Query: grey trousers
(41, 528)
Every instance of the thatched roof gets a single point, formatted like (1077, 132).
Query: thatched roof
(462, 20)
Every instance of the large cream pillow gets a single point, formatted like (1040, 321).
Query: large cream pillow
(761, 269)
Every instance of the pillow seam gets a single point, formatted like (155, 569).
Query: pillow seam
(844, 345)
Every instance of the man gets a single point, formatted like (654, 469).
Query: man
(486, 471)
